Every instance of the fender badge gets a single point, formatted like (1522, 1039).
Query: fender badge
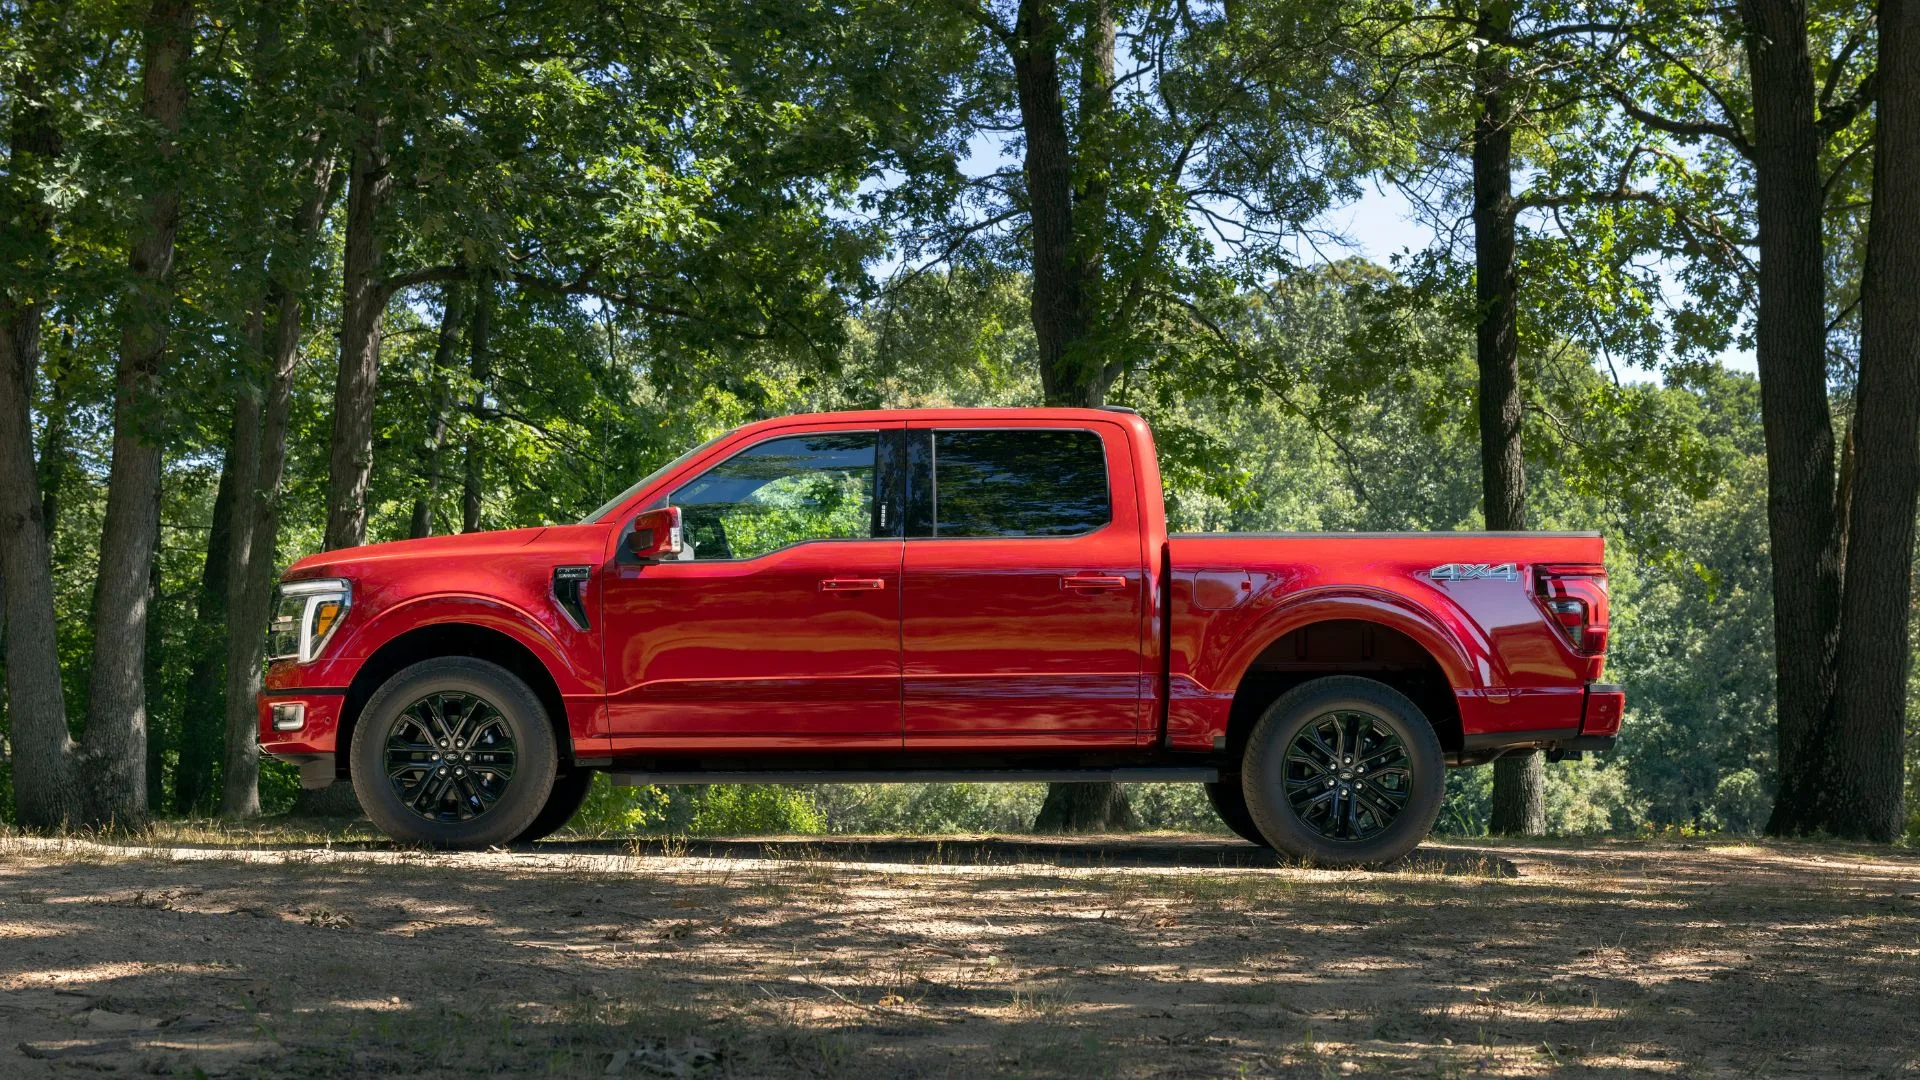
(1474, 572)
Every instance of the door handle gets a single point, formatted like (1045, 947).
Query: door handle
(852, 584)
(1093, 581)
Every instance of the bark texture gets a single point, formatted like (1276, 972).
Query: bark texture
(1860, 795)
(1519, 780)
(45, 790)
(364, 298)
(1804, 517)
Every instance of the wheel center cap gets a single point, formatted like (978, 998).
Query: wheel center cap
(1346, 774)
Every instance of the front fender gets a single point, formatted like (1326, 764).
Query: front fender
(568, 654)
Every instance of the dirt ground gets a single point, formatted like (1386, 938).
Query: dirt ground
(1155, 956)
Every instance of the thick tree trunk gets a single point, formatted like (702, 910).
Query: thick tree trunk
(1067, 219)
(472, 484)
(1804, 519)
(44, 786)
(1519, 780)
(364, 298)
(1060, 301)
(250, 565)
(202, 716)
(1863, 763)
(434, 460)
(158, 733)
(115, 753)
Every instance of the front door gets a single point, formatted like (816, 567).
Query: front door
(780, 624)
(1025, 590)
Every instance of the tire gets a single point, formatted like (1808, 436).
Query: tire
(434, 700)
(569, 793)
(1231, 804)
(1399, 766)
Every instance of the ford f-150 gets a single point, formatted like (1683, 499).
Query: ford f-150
(950, 594)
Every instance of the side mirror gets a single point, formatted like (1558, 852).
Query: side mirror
(655, 535)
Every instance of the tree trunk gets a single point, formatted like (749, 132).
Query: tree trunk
(1519, 779)
(471, 487)
(114, 756)
(1059, 307)
(1067, 222)
(434, 460)
(364, 298)
(158, 732)
(45, 790)
(250, 566)
(1804, 520)
(1863, 763)
(202, 716)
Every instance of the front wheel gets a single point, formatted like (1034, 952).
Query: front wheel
(1344, 771)
(453, 752)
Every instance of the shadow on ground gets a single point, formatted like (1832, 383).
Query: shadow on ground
(1155, 956)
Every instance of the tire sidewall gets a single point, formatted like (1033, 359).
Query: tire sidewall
(1264, 768)
(535, 756)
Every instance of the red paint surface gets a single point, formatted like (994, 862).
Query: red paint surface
(1024, 643)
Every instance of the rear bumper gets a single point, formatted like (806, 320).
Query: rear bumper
(1601, 710)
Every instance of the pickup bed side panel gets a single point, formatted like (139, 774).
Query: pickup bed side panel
(1234, 596)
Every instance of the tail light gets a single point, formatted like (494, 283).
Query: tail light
(1575, 600)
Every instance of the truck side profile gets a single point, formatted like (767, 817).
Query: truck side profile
(951, 594)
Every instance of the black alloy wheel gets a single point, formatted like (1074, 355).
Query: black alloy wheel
(450, 756)
(1343, 771)
(1348, 776)
(454, 752)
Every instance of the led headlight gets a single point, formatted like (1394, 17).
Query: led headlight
(305, 616)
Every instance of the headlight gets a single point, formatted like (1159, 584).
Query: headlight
(305, 616)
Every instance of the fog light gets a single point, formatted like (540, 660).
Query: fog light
(290, 716)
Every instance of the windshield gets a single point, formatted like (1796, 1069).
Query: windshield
(613, 504)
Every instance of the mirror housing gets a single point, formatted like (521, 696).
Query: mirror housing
(655, 535)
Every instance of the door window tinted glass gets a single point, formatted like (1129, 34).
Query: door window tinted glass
(1027, 482)
(779, 493)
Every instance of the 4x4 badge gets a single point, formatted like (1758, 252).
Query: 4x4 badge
(1456, 571)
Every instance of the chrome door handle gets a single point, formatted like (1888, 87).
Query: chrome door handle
(1093, 581)
(852, 584)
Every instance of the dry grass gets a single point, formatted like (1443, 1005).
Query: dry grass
(314, 952)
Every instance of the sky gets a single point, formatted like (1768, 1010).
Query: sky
(1383, 224)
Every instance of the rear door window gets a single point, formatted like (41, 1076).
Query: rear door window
(1019, 482)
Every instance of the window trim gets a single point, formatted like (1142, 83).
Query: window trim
(879, 462)
(933, 430)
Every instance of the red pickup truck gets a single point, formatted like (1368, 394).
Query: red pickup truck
(950, 594)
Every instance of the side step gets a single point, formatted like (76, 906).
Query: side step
(1170, 774)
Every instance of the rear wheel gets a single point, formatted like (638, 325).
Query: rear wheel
(453, 752)
(1344, 771)
(1231, 804)
(569, 793)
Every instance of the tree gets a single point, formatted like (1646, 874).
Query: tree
(1860, 764)
(102, 779)
(1788, 116)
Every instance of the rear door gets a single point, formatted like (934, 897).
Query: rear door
(1023, 589)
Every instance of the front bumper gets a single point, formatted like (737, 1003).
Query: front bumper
(311, 744)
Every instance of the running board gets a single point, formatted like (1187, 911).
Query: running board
(1147, 774)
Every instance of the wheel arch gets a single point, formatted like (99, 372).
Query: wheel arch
(450, 638)
(1376, 640)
